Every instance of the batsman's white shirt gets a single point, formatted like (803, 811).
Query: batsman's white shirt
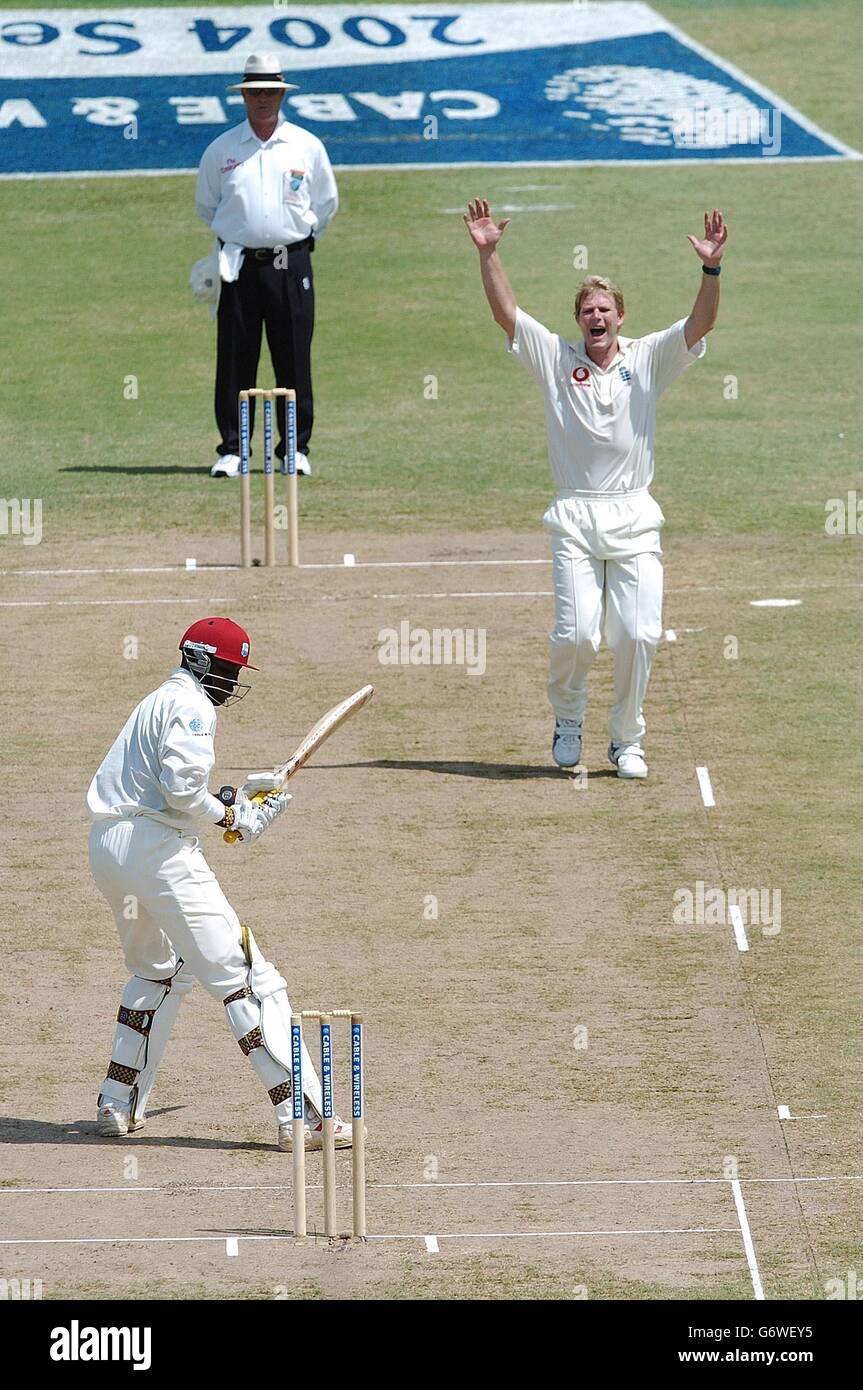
(601, 424)
(161, 760)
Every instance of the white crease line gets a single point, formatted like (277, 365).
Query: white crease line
(739, 929)
(704, 784)
(204, 568)
(432, 1245)
(757, 1288)
(500, 593)
(409, 1235)
(116, 569)
(784, 1112)
(775, 602)
(525, 1235)
(181, 1190)
(106, 602)
(384, 1187)
(671, 635)
(231, 1247)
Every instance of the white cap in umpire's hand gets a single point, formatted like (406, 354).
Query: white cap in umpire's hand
(262, 70)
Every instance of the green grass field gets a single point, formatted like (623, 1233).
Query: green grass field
(105, 297)
(95, 277)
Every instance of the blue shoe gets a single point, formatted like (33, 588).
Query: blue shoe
(566, 744)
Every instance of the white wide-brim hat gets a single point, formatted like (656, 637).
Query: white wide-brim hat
(262, 71)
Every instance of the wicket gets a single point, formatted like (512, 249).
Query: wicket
(358, 1150)
(288, 468)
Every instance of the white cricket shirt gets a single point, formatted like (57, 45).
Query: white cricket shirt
(161, 759)
(272, 192)
(601, 423)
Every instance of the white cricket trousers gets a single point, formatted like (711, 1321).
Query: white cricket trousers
(601, 590)
(175, 926)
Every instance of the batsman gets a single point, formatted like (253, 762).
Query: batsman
(600, 395)
(150, 806)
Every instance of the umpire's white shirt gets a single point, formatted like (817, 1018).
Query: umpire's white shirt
(160, 761)
(601, 421)
(272, 192)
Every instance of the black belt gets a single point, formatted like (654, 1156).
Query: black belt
(269, 253)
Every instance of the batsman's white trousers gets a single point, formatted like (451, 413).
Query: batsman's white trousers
(175, 924)
(607, 579)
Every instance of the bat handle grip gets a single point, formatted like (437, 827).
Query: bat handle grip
(231, 837)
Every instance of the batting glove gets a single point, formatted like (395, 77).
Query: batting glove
(252, 818)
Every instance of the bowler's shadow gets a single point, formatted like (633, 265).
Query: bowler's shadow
(489, 772)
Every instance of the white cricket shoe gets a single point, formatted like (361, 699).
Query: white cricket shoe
(303, 465)
(566, 744)
(226, 466)
(113, 1121)
(315, 1135)
(628, 759)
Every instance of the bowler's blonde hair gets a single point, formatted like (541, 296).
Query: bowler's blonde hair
(598, 282)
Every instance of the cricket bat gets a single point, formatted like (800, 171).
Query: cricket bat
(332, 720)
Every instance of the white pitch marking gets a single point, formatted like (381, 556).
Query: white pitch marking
(739, 929)
(349, 560)
(408, 1235)
(757, 1288)
(775, 602)
(100, 602)
(112, 569)
(704, 783)
(671, 635)
(432, 1246)
(231, 1246)
(430, 1186)
(785, 1114)
(499, 593)
(328, 565)
(191, 563)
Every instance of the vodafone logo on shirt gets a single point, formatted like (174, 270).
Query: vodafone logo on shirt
(580, 376)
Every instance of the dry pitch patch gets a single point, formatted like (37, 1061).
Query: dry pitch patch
(554, 929)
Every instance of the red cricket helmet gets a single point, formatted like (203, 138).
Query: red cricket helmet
(218, 637)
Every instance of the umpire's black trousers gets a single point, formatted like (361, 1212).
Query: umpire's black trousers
(281, 299)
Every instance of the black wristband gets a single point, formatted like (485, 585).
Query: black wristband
(712, 269)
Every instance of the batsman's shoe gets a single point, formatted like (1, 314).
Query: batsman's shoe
(226, 466)
(113, 1121)
(628, 759)
(303, 465)
(566, 744)
(315, 1135)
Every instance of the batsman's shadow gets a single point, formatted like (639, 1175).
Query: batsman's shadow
(23, 1130)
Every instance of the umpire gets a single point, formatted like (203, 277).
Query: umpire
(267, 190)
